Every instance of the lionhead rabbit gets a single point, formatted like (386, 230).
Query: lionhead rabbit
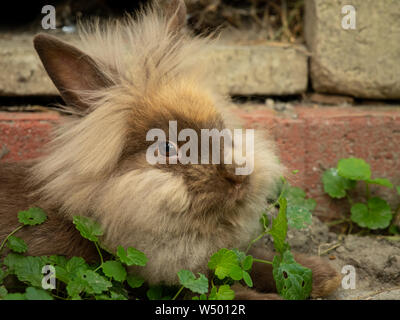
(126, 79)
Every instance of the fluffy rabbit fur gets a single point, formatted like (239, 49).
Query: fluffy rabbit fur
(126, 78)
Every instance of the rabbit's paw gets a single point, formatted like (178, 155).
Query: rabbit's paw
(325, 279)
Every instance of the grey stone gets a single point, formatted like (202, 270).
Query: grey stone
(364, 62)
(21, 70)
(239, 69)
(260, 69)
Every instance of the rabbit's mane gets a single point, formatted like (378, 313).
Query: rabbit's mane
(141, 51)
(155, 74)
(141, 58)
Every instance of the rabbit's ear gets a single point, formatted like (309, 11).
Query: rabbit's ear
(176, 11)
(70, 69)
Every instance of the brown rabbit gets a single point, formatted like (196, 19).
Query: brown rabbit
(130, 77)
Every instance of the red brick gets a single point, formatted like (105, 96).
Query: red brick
(24, 134)
(311, 140)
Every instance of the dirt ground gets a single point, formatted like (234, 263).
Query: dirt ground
(376, 261)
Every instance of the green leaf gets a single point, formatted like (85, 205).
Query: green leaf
(381, 181)
(247, 279)
(88, 228)
(224, 292)
(247, 263)
(89, 282)
(12, 260)
(377, 214)
(279, 227)
(298, 217)
(55, 260)
(298, 208)
(239, 254)
(65, 270)
(189, 281)
(398, 189)
(335, 185)
(131, 256)
(27, 269)
(135, 281)
(115, 270)
(3, 292)
(394, 230)
(112, 296)
(293, 281)
(15, 296)
(354, 169)
(155, 293)
(226, 264)
(32, 217)
(37, 294)
(16, 244)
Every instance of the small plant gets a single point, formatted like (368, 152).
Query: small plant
(374, 212)
(109, 280)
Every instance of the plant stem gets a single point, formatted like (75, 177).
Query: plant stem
(396, 212)
(5, 240)
(255, 240)
(368, 192)
(349, 199)
(268, 209)
(335, 222)
(262, 261)
(177, 294)
(58, 297)
(101, 256)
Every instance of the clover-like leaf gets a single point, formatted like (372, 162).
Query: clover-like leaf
(115, 270)
(88, 228)
(224, 292)
(398, 189)
(335, 185)
(66, 270)
(247, 279)
(354, 169)
(226, 264)
(55, 260)
(135, 281)
(37, 294)
(16, 244)
(377, 214)
(298, 217)
(27, 269)
(131, 256)
(189, 281)
(279, 227)
(381, 181)
(32, 217)
(245, 261)
(293, 281)
(87, 281)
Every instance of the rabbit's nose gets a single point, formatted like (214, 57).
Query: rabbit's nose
(228, 172)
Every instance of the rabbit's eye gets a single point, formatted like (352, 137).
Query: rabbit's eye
(167, 149)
